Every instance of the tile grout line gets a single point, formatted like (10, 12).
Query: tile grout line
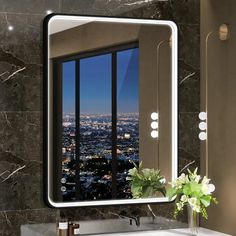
(21, 13)
(35, 209)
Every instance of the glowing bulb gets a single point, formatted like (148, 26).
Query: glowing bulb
(154, 116)
(154, 125)
(202, 125)
(49, 12)
(154, 134)
(202, 115)
(203, 136)
(10, 28)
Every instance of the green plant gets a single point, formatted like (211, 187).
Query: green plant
(192, 190)
(146, 182)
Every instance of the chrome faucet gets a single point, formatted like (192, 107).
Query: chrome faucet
(124, 215)
(131, 218)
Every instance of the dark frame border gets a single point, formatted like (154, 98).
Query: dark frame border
(46, 20)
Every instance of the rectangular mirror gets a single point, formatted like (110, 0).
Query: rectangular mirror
(111, 106)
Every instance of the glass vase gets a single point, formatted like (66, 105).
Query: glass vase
(193, 221)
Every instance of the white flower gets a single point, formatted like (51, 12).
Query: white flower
(211, 188)
(180, 181)
(182, 178)
(208, 189)
(192, 201)
(205, 180)
(194, 204)
(196, 208)
(184, 198)
(163, 181)
(180, 206)
(197, 178)
(174, 184)
(195, 171)
(204, 189)
(133, 171)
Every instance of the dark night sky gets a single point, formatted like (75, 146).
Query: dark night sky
(95, 83)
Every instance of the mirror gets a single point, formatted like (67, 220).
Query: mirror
(110, 110)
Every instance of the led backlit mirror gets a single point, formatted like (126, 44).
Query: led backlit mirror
(110, 104)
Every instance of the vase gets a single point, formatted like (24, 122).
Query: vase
(193, 221)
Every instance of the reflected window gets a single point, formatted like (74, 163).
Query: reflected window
(100, 123)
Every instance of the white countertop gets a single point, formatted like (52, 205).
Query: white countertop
(121, 227)
(171, 232)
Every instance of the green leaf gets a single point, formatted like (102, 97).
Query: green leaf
(193, 189)
(171, 193)
(215, 200)
(147, 192)
(136, 191)
(145, 182)
(187, 189)
(206, 200)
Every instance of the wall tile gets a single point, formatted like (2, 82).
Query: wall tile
(21, 154)
(100, 212)
(189, 89)
(189, 144)
(189, 37)
(21, 63)
(22, 45)
(22, 91)
(24, 189)
(11, 221)
(186, 12)
(21, 134)
(102, 7)
(29, 6)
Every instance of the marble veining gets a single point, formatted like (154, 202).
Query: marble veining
(11, 174)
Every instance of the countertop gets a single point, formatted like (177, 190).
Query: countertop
(121, 227)
(171, 232)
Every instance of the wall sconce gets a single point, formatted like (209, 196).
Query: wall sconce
(155, 125)
(223, 35)
(203, 126)
(155, 115)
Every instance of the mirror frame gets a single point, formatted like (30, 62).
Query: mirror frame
(48, 109)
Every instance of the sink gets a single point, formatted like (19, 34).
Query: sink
(121, 227)
(105, 226)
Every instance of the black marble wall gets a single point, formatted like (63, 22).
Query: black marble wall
(21, 200)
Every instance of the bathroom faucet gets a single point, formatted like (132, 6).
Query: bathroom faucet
(131, 218)
(124, 215)
(134, 217)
